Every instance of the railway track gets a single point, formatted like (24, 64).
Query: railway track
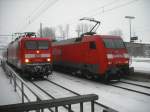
(137, 88)
(99, 104)
(58, 87)
(42, 93)
(147, 87)
(48, 94)
(140, 89)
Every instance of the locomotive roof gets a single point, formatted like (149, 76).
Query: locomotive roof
(35, 38)
(68, 41)
(85, 38)
(110, 36)
(28, 38)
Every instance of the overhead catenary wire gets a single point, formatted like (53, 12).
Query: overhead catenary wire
(91, 11)
(105, 8)
(102, 9)
(115, 7)
(38, 13)
(25, 21)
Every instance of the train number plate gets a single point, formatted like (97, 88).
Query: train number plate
(37, 55)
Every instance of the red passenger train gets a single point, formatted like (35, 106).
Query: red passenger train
(92, 55)
(31, 55)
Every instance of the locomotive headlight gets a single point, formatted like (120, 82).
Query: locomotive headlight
(127, 62)
(48, 59)
(110, 56)
(126, 55)
(109, 62)
(27, 60)
(37, 51)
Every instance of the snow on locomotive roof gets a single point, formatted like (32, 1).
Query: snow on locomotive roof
(68, 41)
(75, 40)
(36, 38)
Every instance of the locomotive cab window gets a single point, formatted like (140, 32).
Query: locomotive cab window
(119, 43)
(31, 45)
(43, 44)
(34, 45)
(113, 43)
(92, 45)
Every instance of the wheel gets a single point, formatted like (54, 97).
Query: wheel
(88, 75)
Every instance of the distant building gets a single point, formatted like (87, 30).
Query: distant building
(138, 49)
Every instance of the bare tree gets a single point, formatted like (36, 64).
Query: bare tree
(61, 31)
(48, 32)
(116, 32)
(82, 28)
(64, 31)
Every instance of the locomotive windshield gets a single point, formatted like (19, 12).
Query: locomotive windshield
(34, 45)
(113, 43)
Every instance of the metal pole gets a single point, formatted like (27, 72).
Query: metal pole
(69, 109)
(130, 29)
(41, 30)
(37, 99)
(56, 109)
(92, 106)
(10, 77)
(15, 83)
(22, 92)
(81, 107)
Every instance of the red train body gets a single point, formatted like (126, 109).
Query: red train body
(92, 55)
(32, 55)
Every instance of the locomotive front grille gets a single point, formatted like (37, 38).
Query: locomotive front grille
(38, 69)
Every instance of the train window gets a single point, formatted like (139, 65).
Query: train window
(119, 43)
(43, 44)
(113, 43)
(108, 43)
(92, 45)
(31, 45)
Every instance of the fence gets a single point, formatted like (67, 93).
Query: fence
(39, 105)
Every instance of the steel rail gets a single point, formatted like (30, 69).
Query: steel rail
(48, 94)
(104, 106)
(147, 87)
(147, 94)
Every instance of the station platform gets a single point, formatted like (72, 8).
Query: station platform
(141, 69)
(7, 93)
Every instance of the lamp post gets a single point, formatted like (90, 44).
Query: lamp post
(130, 18)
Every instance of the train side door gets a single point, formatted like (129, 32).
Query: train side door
(91, 52)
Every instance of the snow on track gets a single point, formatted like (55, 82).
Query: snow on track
(137, 82)
(54, 90)
(121, 100)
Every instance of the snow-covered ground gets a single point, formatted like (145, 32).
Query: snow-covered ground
(7, 94)
(121, 100)
(141, 64)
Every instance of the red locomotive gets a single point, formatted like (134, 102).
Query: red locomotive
(31, 55)
(92, 55)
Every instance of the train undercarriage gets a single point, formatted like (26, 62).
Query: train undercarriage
(37, 70)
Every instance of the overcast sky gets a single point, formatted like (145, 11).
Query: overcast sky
(26, 15)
